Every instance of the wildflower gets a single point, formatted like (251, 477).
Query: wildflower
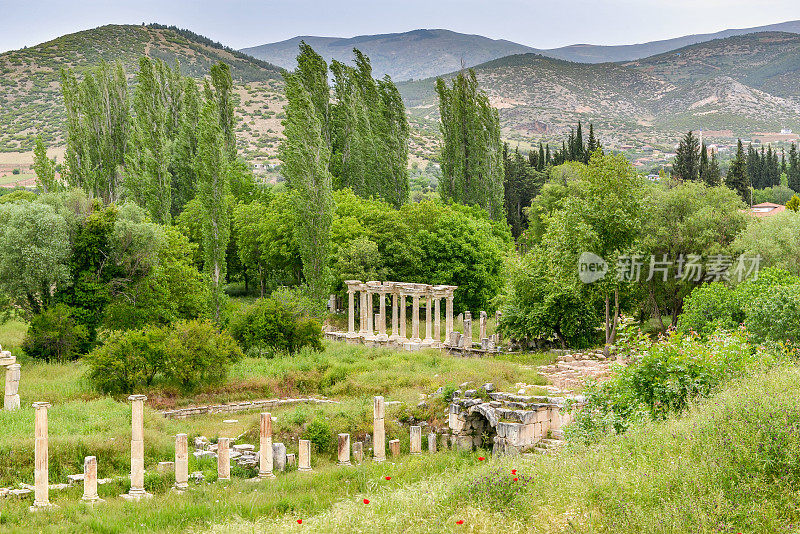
(460, 522)
(299, 521)
(481, 458)
(513, 471)
(388, 478)
(366, 501)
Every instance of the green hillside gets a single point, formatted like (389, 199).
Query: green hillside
(30, 99)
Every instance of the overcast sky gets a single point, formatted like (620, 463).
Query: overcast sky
(537, 23)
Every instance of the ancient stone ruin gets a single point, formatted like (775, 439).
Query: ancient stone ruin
(11, 398)
(507, 423)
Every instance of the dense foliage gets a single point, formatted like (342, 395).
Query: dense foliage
(271, 326)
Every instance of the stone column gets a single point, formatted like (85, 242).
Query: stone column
(415, 317)
(437, 320)
(448, 321)
(428, 317)
(362, 309)
(11, 400)
(344, 449)
(265, 447)
(378, 430)
(90, 480)
(370, 317)
(181, 462)
(416, 440)
(137, 450)
(304, 456)
(351, 312)
(382, 313)
(279, 457)
(466, 341)
(482, 326)
(223, 459)
(394, 447)
(41, 491)
(403, 335)
(497, 336)
(358, 452)
(395, 316)
(432, 442)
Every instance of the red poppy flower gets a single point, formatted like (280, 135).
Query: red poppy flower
(366, 501)
(388, 478)
(513, 471)
(515, 479)
(481, 458)
(460, 522)
(299, 521)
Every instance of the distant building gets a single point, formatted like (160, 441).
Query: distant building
(765, 209)
(786, 131)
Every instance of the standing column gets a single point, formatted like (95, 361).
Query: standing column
(181, 462)
(11, 400)
(448, 318)
(265, 447)
(41, 492)
(437, 320)
(344, 449)
(351, 312)
(482, 326)
(137, 450)
(403, 320)
(90, 480)
(382, 312)
(304, 456)
(432, 442)
(378, 430)
(467, 338)
(497, 336)
(428, 317)
(223, 459)
(416, 440)
(415, 317)
(395, 316)
(370, 316)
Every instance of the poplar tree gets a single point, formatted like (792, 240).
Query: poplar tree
(737, 178)
(305, 154)
(794, 169)
(44, 168)
(471, 158)
(222, 83)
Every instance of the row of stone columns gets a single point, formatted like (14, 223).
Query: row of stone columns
(399, 291)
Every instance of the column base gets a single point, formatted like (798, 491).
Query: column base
(133, 496)
(304, 469)
(262, 476)
(42, 506)
(181, 487)
(382, 338)
(344, 464)
(92, 500)
(411, 346)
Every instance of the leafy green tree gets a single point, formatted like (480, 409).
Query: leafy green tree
(522, 183)
(737, 177)
(44, 168)
(272, 326)
(306, 155)
(34, 256)
(98, 125)
(53, 335)
(775, 239)
(794, 203)
(222, 82)
(471, 159)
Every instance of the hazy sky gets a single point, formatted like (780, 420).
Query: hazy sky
(541, 24)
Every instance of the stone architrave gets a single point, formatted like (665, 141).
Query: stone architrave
(378, 430)
(265, 447)
(416, 440)
(181, 462)
(90, 480)
(344, 449)
(432, 442)
(482, 326)
(137, 450)
(304, 456)
(223, 459)
(41, 473)
(11, 399)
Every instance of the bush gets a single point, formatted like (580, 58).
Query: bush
(319, 433)
(273, 326)
(774, 314)
(54, 336)
(188, 355)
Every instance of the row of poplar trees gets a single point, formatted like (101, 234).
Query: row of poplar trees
(355, 138)
(167, 144)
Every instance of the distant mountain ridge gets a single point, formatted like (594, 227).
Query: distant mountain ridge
(425, 53)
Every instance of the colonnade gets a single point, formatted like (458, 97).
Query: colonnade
(373, 328)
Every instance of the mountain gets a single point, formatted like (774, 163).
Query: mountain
(741, 84)
(30, 97)
(587, 53)
(403, 56)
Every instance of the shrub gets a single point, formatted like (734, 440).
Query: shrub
(54, 336)
(774, 314)
(273, 326)
(319, 433)
(188, 355)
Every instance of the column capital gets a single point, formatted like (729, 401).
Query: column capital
(40, 405)
(137, 398)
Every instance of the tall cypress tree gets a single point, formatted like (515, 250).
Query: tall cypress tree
(703, 170)
(472, 166)
(737, 178)
(712, 174)
(794, 169)
(687, 158)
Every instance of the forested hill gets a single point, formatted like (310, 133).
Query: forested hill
(30, 99)
(742, 84)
